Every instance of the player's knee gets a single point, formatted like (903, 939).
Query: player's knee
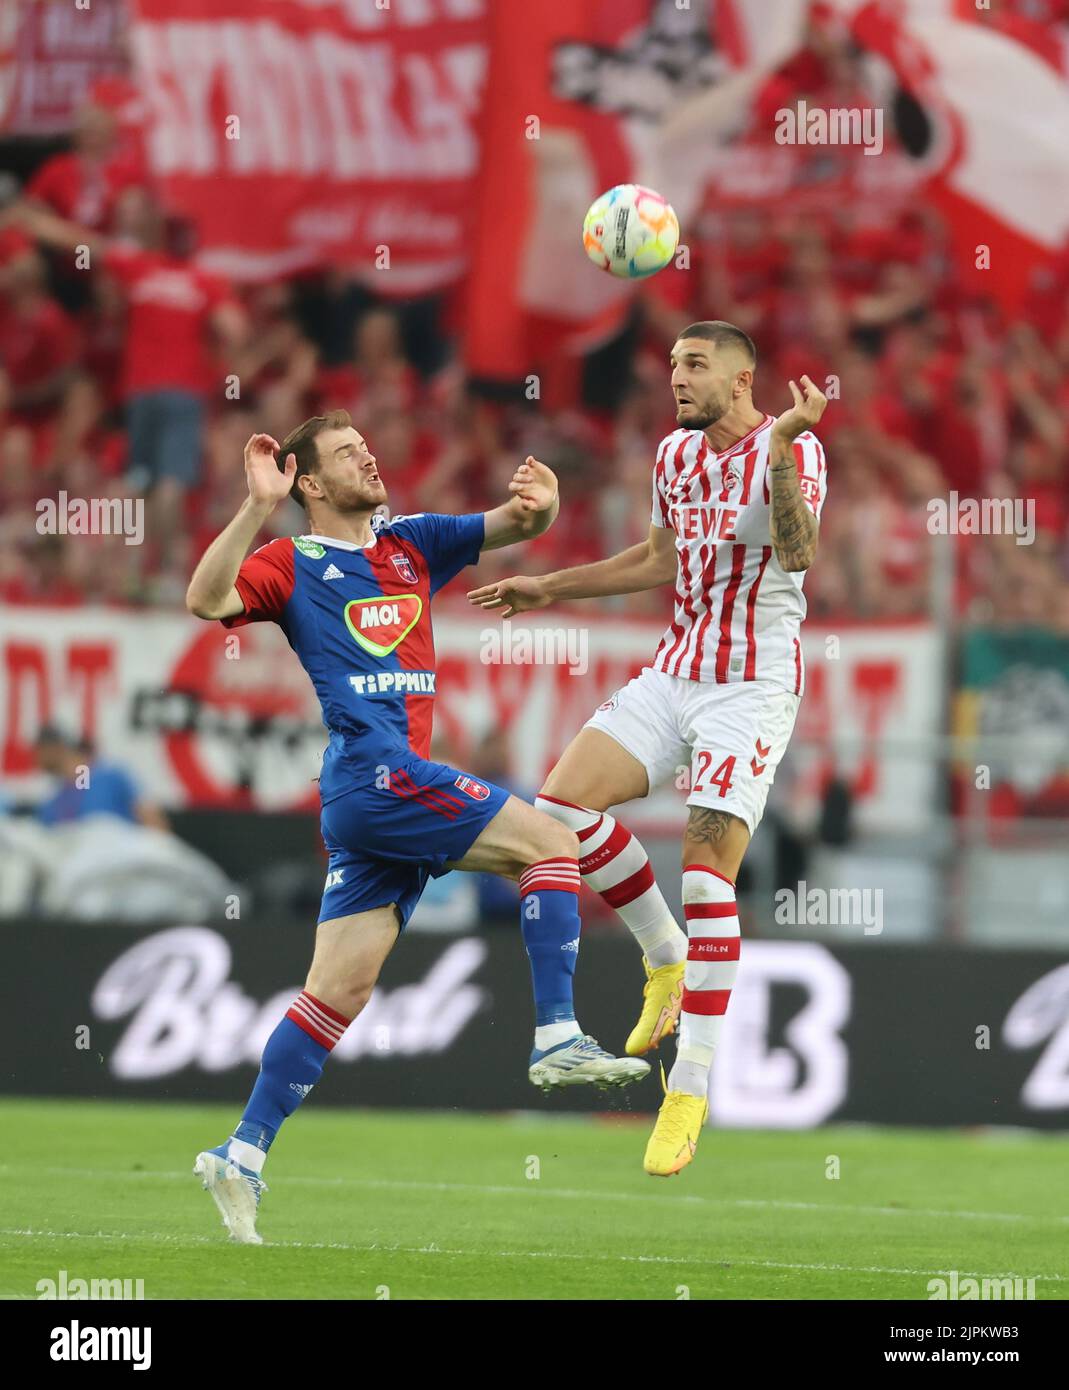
(358, 995)
(715, 839)
(347, 992)
(701, 852)
(551, 840)
(354, 995)
(551, 786)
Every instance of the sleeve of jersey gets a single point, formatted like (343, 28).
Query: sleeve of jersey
(812, 471)
(659, 516)
(265, 583)
(448, 543)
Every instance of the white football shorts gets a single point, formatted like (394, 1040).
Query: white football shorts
(723, 741)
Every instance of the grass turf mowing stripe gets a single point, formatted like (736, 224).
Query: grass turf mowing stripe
(726, 1262)
(563, 1193)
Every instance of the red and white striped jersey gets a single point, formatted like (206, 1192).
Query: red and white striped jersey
(737, 613)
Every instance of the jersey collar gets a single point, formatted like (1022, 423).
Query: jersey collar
(747, 438)
(342, 545)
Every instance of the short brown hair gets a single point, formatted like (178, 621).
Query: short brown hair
(301, 443)
(722, 334)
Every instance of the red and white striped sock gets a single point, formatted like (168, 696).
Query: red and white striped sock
(712, 965)
(614, 864)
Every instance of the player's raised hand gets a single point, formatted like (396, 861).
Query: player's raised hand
(266, 483)
(534, 484)
(809, 405)
(516, 595)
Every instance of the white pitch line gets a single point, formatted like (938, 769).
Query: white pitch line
(567, 1193)
(725, 1263)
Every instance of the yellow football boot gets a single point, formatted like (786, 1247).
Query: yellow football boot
(662, 997)
(675, 1135)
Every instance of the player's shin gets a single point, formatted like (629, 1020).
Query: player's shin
(549, 920)
(617, 868)
(291, 1064)
(712, 965)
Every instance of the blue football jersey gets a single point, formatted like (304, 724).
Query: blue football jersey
(359, 619)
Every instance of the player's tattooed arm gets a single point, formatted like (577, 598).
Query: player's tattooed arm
(793, 526)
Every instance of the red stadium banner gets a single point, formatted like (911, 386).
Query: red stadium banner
(303, 132)
(50, 56)
(203, 717)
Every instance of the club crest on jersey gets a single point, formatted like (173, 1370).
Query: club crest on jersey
(478, 791)
(403, 565)
(380, 625)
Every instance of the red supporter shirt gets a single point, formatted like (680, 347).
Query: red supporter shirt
(34, 345)
(171, 304)
(81, 191)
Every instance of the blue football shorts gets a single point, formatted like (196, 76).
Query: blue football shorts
(396, 829)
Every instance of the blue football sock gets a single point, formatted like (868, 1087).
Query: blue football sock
(291, 1065)
(549, 920)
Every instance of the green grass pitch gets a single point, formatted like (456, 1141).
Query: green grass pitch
(366, 1205)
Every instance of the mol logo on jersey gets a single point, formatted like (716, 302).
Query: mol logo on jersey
(379, 625)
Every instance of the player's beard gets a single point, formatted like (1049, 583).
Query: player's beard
(354, 496)
(695, 416)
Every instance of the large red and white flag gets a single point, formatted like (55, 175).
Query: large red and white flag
(584, 94)
(545, 156)
(308, 132)
(997, 102)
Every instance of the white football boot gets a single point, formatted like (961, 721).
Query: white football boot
(582, 1061)
(235, 1190)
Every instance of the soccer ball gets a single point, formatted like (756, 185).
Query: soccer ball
(630, 231)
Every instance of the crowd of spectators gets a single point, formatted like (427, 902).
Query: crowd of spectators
(128, 370)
